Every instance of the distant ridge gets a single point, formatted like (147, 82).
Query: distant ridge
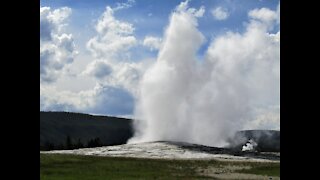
(55, 127)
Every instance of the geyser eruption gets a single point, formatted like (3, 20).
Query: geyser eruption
(235, 86)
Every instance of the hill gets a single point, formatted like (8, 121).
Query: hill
(57, 127)
(267, 140)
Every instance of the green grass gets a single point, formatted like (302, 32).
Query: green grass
(73, 167)
(269, 169)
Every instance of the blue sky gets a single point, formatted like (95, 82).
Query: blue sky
(151, 17)
(69, 83)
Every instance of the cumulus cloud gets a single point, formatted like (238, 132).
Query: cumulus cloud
(183, 6)
(52, 21)
(113, 36)
(103, 99)
(220, 13)
(124, 75)
(264, 14)
(128, 75)
(98, 69)
(113, 93)
(200, 12)
(110, 47)
(183, 99)
(153, 43)
(111, 100)
(116, 76)
(57, 48)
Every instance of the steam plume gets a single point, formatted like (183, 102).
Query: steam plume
(184, 99)
(249, 146)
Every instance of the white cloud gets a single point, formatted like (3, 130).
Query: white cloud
(99, 69)
(113, 36)
(116, 78)
(124, 75)
(264, 14)
(125, 5)
(57, 48)
(52, 21)
(153, 43)
(128, 75)
(220, 13)
(197, 13)
(102, 99)
(59, 15)
(110, 47)
(263, 18)
(183, 7)
(276, 37)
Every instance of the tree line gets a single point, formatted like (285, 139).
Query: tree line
(69, 144)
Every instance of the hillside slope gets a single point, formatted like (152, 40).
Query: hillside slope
(55, 127)
(267, 140)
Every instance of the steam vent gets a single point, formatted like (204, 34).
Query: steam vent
(261, 140)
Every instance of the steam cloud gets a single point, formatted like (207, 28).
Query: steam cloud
(184, 99)
(249, 146)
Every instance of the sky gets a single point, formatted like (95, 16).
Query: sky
(93, 54)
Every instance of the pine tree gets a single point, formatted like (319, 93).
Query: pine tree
(79, 144)
(48, 146)
(69, 144)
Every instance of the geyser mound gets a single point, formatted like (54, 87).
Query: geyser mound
(171, 150)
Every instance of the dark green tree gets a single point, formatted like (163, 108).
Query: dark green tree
(96, 142)
(79, 144)
(69, 144)
(60, 146)
(48, 146)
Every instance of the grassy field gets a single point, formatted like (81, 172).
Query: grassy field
(74, 167)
